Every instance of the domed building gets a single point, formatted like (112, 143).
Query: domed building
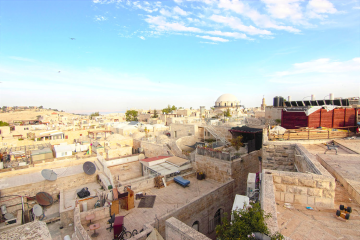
(226, 101)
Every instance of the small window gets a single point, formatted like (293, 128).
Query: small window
(225, 104)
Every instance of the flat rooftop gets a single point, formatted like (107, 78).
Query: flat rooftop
(168, 199)
(320, 224)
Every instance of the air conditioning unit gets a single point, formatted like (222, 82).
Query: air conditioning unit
(251, 184)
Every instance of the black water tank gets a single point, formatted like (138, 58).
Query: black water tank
(276, 101)
(281, 102)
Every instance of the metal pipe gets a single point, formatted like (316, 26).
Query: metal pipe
(22, 206)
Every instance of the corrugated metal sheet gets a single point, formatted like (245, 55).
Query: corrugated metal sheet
(336, 118)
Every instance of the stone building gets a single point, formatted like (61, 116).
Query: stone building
(226, 101)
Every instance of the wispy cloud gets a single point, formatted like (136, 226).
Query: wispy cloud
(100, 18)
(264, 18)
(142, 37)
(322, 65)
(21, 59)
(216, 39)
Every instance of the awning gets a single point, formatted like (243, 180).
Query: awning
(167, 168)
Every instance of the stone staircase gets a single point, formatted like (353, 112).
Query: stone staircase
(216, 134)
(175, 150)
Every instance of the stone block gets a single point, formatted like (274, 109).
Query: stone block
(302, 199)
(280, 187)
(278, 196)
(289, 180)
(307, 183)
(282, 196)
(290, 189)
(311, 201)
(289, 197)
(277, 179)
(332, 185)
(324, 202)
(323, 184)
(328, 193)
(301, 190)
(314, 192)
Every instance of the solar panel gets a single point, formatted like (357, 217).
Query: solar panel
(307, 103)
(288, 104)
(300, 103)
(294, 104)
(314, 103)
(321, 102)
(337, 102)
(329, 102)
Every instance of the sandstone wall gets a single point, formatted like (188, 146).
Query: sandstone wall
(218, 170)
(154, 150)
(278, 156)
(304, 188)
(202, 210)
(175, 229)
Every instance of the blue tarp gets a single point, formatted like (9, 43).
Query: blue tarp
(180, 180)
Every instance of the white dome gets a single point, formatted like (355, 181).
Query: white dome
(227, 98)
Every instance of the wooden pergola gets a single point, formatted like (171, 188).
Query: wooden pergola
(94, 133)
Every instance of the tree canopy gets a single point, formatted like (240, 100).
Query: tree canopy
(169, 109)
(246, 222)
(237, 142)
(2, 124)
(95, 114)
(227, 113)
(155, 114)
(131, 115)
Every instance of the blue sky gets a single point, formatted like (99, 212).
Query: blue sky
(148, 54)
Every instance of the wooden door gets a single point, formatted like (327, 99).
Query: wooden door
(114, 207)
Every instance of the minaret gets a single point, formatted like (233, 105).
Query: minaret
(263, 105)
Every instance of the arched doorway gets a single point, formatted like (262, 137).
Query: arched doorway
(217, 217)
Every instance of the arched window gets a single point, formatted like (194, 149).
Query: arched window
(217, 217)
(225, 104)
(196, 225)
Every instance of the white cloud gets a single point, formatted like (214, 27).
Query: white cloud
(180, 11)
(165, 12)
(283, 9)
(318, 8)
(160, 24)
(259, 19)
(209, 42)
(356, 7)
(21, 59)
(142, 37)
(322, 65)
(216, 39)
(229, 34)
(235, 23)
(100, 18)
(146, 7)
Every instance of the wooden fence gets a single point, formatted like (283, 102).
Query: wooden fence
(303, 134)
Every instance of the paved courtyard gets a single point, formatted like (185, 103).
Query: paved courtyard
(299, 223)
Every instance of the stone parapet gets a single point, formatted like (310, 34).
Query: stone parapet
(267, 200)
(304, 188)
(175, 229)
(278, 156)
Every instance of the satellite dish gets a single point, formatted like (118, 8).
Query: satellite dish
(37, 210)
(44, 199)
(9, 216)
(49, 174)
(89, 168)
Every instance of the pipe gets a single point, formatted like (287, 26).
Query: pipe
(22, 206)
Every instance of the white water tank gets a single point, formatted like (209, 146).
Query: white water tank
(312, 97)
(84, 206)
(251, 184)
(331, 96)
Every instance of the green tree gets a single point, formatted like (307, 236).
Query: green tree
(155, 114)
(237, 142)
(246, 222)
(95, 114)
(41, 107)
(131, 115)
(190, 108)
(212, 108)
(169, 109)
(227, 113)
(2, 124)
